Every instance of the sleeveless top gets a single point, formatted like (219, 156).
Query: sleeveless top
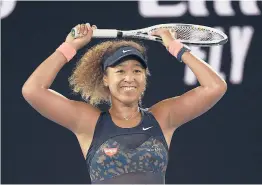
(137, 155)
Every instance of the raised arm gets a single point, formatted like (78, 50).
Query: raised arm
(176, 111)
(74, 115)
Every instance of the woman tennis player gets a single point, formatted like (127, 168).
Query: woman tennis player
(127, 144)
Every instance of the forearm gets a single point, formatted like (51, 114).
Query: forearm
(206, 76)
(46, 72)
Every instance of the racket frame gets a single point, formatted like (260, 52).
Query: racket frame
(144, 34)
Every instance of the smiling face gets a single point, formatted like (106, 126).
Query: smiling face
(126, 81)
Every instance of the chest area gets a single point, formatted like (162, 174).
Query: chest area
(125, 154)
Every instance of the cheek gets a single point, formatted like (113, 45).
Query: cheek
(142, 81)
(113, 85)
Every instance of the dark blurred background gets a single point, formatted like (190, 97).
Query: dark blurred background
(222, 146)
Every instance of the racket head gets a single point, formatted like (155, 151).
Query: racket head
(187, 33)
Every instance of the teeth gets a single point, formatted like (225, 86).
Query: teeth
(128, 88)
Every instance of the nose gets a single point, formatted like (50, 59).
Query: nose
(129, 77)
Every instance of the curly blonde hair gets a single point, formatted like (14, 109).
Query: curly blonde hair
(87, 77)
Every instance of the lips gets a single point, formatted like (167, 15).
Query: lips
(128, 86)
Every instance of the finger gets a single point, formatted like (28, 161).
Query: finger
(175, 35)
(94, 27)
(83, 29)
(154, 32)
(158, 32)
(78, 29)
(90, 31)
(87, 25)
(86, 30)
(172, 30)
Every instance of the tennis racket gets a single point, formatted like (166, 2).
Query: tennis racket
(187, 33)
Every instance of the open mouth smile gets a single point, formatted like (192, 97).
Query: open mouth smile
(128, 88)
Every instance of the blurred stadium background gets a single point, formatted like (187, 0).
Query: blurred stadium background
(222, 146)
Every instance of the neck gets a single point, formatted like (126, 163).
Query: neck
(123, 111)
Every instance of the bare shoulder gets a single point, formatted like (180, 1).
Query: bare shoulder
(161, 112)
(88, 117)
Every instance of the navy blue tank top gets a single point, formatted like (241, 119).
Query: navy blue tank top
(137, 155)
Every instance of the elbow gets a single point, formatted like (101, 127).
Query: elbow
(220, 88)
(223, 86)
(28, 92)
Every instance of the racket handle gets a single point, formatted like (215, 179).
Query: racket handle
(105, 33)
(99, 33)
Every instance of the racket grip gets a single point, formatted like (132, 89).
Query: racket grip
(98, 33)
(105, 33)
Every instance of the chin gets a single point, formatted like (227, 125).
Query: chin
(128, 99)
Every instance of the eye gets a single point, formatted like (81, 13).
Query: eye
(138, 71)
(120, 71)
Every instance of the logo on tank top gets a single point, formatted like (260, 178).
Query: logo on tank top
(154, 148)
(110, 151)
(147, 128)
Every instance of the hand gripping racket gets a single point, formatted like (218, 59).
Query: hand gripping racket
(187, 33)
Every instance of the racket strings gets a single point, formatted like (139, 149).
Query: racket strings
(196, 34)
(188, 34)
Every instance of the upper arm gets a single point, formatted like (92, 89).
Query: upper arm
(181, 109)
(74, 115)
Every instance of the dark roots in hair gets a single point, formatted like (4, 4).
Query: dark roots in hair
(87, 77)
